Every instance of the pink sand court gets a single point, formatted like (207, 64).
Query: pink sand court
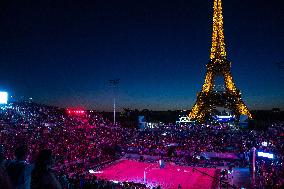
(152, 175)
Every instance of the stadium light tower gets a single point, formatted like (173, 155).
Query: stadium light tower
(114, 84)
(3, 97)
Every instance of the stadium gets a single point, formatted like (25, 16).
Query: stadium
(63, 125)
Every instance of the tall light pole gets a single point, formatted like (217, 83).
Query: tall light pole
(253, 165)
(114, 84)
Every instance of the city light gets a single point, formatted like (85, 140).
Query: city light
(264, 154)
(78, 112)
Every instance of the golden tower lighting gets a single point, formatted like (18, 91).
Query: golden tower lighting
(218, 65)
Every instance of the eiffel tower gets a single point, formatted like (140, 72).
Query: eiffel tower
(218, 65)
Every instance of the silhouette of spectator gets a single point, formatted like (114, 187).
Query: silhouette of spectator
(19, 170)
(42, 175)
(4, 178)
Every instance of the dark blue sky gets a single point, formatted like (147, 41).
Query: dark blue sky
(64, 52)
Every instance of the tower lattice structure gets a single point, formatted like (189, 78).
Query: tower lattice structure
(218, 65)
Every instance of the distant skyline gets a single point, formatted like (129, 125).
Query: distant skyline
(64, 53)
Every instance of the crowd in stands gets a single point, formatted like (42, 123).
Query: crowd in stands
(55, 149)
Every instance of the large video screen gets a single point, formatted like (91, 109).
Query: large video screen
(3, 97)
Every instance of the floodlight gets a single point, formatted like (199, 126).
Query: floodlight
(3, 97)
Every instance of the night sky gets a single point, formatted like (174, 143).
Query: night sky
(64, 52)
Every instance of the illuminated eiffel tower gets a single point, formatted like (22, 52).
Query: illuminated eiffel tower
(218, 65)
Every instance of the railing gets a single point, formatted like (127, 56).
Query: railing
(215, 178)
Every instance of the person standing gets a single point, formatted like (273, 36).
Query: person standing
(19, 170)
(5, 182)
(42, 175)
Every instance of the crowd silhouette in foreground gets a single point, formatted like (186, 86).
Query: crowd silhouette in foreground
(45, 147)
